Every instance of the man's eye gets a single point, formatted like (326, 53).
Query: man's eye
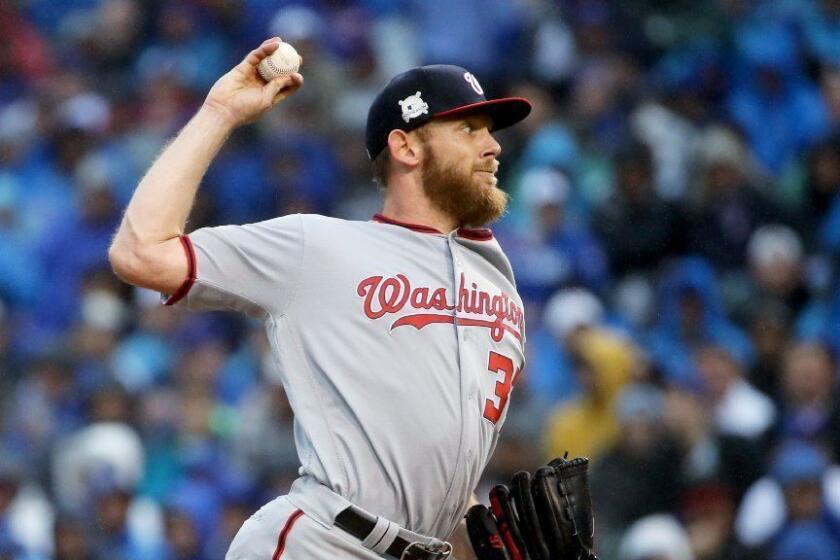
(467, 128)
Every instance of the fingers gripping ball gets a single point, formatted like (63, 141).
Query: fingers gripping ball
(285, 60)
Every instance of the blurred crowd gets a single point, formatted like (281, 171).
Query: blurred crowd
(674, 227)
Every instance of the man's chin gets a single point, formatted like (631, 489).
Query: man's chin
(488, 208)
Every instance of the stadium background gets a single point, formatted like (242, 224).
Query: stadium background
(675, 229)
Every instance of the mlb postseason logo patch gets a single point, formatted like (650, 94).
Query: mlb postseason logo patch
(413, 106)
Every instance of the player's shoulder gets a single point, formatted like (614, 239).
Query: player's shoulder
(337, 233)
(311, 222)
(331, 225)
(319, 222)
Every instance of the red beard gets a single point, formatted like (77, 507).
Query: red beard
(460, 193)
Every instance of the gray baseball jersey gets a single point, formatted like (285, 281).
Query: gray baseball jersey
(398, 345)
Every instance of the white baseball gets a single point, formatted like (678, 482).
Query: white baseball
(285, 60)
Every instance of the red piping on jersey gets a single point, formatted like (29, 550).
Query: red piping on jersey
(182, 291)
(281, 540)
(475, 234)
(414, 227)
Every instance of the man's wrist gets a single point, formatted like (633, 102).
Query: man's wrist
(217, 116)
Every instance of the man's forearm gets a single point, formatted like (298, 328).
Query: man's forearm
(159, 207)
(146, 250)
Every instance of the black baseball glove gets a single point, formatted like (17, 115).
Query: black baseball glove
(547, 516)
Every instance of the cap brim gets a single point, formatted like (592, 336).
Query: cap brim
(505, 111)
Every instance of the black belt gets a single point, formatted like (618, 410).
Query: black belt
(360, 524)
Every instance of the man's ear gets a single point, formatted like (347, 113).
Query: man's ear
(404, 148)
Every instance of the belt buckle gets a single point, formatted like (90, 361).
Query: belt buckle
(435, 550)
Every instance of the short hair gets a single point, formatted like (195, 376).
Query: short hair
(380, 166)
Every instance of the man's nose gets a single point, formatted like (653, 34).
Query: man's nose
(492, 148)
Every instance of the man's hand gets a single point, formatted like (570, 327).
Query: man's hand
(241, 95)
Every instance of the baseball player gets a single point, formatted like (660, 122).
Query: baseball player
(399, 339)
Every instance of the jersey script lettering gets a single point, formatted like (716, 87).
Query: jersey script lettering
(388, 296)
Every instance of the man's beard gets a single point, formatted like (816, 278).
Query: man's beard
(459, 194)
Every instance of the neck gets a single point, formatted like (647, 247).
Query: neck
(406, 202)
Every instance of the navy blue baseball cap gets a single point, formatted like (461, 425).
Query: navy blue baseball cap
(415, 97)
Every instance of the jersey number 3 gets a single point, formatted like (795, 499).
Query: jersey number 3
(500, 364)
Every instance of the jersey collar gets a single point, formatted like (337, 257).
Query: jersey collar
(474, 234)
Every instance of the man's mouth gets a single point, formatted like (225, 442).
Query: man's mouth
(491, 176)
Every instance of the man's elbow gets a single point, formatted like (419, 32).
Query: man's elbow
(159, 266)
(125, 262)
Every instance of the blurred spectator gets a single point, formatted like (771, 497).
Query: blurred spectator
(109, 41)
(707, 511)
(830, 86)
(642, 465)
(822, 31)
(806, 540)
(634, 303)
(554, 49)
(769, 329)
(809, 405)
(773, 101)
(637, 228)
(549, 371)
(658, 537)
(241, 497)
(192, 511)
(71, 538)
(24, 54)
(671, 138)
(821, 189)
(188, 48)
(45, 408)
(6, 379)
(77, 245)
(495, 28)
(738, 408)
(109, 452)
(777, 268)
(803, 488)
(145, 356)
(25, 512)
(709, 456)
(823, 199)
(691, 315)
(18, 284)
(557, 250)
(126, 526)
(729, 206)
(182, 538)
(603, 363)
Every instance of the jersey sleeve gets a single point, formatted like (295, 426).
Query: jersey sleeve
(250, 268)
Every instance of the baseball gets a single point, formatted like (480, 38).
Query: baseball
(285, 60)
